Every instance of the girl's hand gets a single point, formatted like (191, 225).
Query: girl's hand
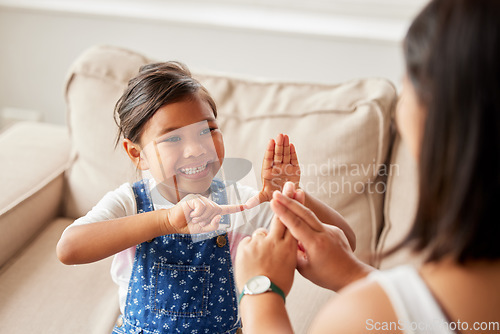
(267, 253)
(323, 255)
(280, 165)
(197, 214)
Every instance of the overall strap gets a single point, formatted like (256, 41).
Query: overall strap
(219, 196)
(145, 203)
(142, 196)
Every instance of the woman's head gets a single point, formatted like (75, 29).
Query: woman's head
(168, 121)
(452, 50)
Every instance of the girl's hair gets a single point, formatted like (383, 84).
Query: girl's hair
(452, 53)
(155, 86)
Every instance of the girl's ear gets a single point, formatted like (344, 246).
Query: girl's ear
(134, 153)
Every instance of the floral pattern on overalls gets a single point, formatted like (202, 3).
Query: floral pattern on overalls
(181, 284)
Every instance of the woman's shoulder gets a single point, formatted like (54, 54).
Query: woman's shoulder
(361, 307)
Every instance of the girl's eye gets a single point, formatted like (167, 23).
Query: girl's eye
(207, 131)
(172, 139)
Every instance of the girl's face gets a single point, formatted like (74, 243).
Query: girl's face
(410, 118)
(183, 148)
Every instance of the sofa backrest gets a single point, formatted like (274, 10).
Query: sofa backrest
(400, 206)
(342, 133)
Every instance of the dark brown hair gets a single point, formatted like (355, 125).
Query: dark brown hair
(155, 86)
(452, 52)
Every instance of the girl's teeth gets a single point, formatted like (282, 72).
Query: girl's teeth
(193, 170)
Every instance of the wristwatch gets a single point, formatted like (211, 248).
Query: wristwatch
(260, 284)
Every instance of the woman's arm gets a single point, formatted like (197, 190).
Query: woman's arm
(329, 216)
(273, 255)
(265, 313)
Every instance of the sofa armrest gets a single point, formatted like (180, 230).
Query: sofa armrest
(34, 158)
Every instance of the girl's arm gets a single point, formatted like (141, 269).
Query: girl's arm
(95, 241)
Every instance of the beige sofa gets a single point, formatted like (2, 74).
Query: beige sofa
(346, 143)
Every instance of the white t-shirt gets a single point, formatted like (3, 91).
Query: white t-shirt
(121, 203)
(417, 310)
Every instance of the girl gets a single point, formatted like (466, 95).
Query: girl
(449, 116)
(171, 234)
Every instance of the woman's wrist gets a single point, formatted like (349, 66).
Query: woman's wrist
(358, 271)
(264, 313)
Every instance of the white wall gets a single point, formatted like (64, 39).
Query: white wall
(38, 45)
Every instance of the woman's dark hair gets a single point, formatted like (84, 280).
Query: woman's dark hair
(155, 86)
(452, 52)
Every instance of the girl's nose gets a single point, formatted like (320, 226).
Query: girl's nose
(194, 148)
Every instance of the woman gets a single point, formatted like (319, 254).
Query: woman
(449, 117)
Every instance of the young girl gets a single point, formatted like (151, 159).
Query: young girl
(171, 234)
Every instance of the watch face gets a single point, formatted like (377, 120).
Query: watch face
(258, 284)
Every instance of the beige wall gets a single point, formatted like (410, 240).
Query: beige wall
(37, 46)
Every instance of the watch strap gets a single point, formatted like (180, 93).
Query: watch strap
(276, 289)
(272, 288)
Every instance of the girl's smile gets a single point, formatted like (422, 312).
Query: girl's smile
(196, 171)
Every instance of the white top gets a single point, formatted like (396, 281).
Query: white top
(121, 203)
(415, 306)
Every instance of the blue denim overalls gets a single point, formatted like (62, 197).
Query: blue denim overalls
(180, 284)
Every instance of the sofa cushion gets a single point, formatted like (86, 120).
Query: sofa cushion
(399, 208)
(36, 156)
(341, 132)
(95, 82)
(36, 289)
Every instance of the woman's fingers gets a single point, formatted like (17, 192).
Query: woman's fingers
(277, 229)
(289, 191)
(296, 209)
(299, 228)
(300, 196)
